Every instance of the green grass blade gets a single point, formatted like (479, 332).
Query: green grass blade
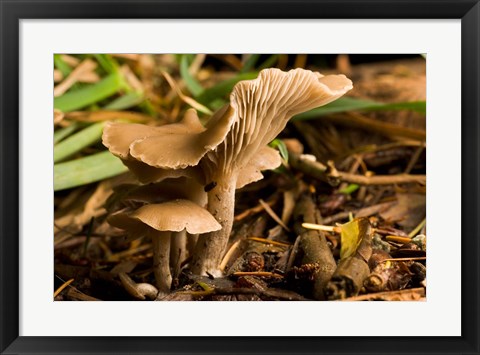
(224, 88)
(74, 100)
(270, 61)
(417, 106)
(87, 170)
(61, 65)
(350, 189)
(250, 63)
(64, 132)
(107, 63)
(345, 104)
(126, 101)
(192, 84)
(217, 104)
(78, 141)
(282, 148)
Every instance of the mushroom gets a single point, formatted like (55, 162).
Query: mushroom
(158, 221)
(169, 189)
(231, 150)
(261, 109)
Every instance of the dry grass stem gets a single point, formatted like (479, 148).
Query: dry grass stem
(272, 214)
(258, 274)
(254, 210)
(269, 241)
(188, 100)
(61, 288)
(86, 66)
(70, 60)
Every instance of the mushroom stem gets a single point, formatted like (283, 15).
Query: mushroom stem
(211, 246)
(177, 249)
(191, 243)
(161, 264)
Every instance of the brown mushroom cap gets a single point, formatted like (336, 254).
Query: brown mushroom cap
(262, 108)
(178, 150)
(118, 137)
(174, 216)
(266, 159)
(167, 190)
(259, 109)
(148, 174)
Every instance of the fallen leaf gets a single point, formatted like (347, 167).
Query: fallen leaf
(352, 235)
(408, 212)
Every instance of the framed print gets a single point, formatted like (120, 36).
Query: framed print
(273, 153)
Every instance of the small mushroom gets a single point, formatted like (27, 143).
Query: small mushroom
(159, 221)
(139, 291)
(128, 195)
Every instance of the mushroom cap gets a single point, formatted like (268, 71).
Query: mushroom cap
(148, 174)
(118, 137)
(262, 108)
(167, 190)
(266, 159)
(173, 216)
(259, 109)
(178, 150)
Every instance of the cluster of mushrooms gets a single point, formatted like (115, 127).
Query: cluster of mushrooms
(188, 172)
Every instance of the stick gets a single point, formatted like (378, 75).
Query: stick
(353, 119)
(413, 294)
(324, 173)
(313, 246)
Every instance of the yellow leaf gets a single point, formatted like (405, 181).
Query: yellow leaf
(351, 236)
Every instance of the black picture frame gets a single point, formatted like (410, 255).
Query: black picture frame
(12, 11)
